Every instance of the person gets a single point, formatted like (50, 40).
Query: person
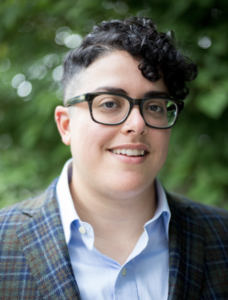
(106, 228)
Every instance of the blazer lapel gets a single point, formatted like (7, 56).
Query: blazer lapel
(186, 251)
(43, 243)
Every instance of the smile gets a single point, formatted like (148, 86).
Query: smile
(129, 152)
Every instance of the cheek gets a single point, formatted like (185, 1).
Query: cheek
(88, 137)
(161, 140)
(166, 139)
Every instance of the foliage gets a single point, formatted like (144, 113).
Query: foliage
(33, 41)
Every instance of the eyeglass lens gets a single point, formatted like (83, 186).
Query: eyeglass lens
(110, 109)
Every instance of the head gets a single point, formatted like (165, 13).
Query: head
(132, 58)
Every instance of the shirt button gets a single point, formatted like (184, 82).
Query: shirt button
(124, 272)
(82, 230)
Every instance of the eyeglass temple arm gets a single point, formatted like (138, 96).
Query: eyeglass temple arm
(75, 100)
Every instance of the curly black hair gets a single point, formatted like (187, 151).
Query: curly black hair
(138, 36)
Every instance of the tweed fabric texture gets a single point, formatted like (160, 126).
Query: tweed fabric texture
(198, 250)
(35, 264)
(34, 259)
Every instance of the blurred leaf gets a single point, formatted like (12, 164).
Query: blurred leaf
(213, 103)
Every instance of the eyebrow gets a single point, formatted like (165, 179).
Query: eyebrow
(121, 91)
(111, 90)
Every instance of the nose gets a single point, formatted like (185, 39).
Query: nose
(135, 123)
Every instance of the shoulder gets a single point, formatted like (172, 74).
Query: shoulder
(11, 217)
(211, 220)
(197, 210)
(198, 244)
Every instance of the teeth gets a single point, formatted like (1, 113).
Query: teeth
(135, 152)
(129, 152)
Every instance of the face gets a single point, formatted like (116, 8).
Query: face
(93, 145)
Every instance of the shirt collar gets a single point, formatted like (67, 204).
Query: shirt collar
(66, 206)
(68, 212)
(162, 208)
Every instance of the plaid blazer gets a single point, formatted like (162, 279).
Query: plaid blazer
(35, 264)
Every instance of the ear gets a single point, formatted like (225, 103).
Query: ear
(62, 119)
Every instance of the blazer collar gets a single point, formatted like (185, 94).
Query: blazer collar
(186, 250)
(43, 243)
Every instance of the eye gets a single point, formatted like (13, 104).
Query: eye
(155, 108)
(110, 104)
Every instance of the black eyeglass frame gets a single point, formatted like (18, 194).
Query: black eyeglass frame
(88, 97)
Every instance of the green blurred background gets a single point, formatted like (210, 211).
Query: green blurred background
(35, 35)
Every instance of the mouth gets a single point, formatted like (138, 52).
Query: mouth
(129, 152)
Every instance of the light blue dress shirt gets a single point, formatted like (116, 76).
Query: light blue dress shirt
(144, 275)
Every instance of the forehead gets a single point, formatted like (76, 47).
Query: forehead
(116, 70)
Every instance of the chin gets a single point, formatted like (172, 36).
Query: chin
(129, 187)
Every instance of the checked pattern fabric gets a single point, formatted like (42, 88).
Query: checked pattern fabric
(35, 264)
(34, 259)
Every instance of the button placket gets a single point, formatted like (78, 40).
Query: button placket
(125, 285)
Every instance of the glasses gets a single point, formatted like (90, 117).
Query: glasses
(113, 109)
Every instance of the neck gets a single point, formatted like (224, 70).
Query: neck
(114, 218)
